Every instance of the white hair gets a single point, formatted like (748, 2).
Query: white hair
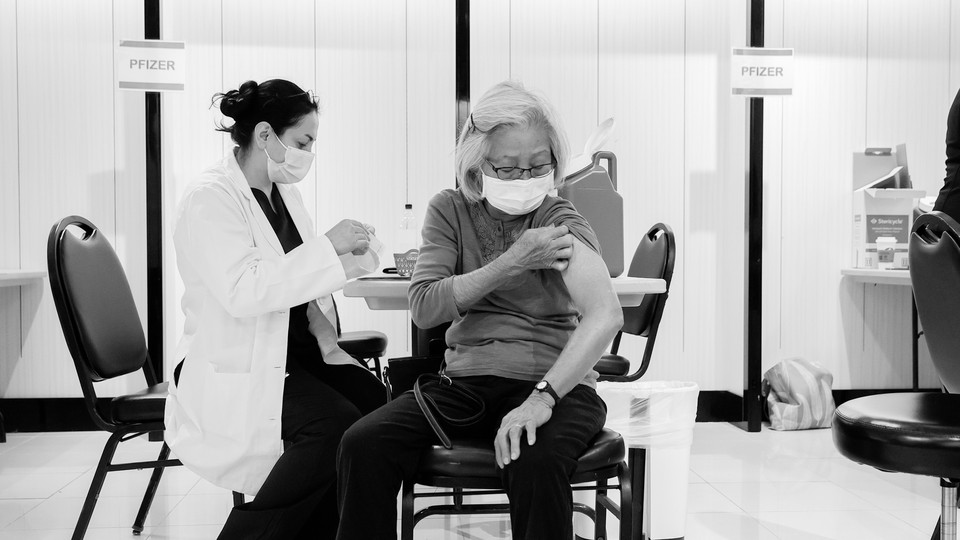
(508, 104)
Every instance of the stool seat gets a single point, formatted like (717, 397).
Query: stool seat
(915, 433)
(476, 459)
(363, 343)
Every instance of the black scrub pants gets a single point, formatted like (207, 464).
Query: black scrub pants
(298, 499)
(382, 450)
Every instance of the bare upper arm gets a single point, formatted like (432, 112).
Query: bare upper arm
(588, 281)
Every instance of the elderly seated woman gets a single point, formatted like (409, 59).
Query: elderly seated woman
(519, 274)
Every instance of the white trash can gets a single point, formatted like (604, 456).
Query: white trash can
(659, 417)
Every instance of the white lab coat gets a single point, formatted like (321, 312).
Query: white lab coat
(223, 421)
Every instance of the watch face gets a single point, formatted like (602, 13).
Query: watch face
(542, 385)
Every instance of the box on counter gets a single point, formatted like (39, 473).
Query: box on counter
(880, 209)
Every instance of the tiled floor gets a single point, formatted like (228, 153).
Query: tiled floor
(767, 485)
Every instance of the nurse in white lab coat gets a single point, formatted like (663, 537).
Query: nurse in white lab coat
(260, 367)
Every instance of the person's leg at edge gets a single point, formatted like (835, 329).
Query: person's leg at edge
(538, 483)
(314, 418)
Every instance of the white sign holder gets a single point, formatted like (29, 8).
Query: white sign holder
(151, 65)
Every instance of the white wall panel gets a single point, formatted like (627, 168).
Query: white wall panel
(189, 141)
(954, 48)
(713, 242)
(772, 287)
(554, 51)
(823, 124)
(250, 53)
(362, 146)
(490, 32)
(9, 192)
(906, 45)
(79, 180)
(641, 80)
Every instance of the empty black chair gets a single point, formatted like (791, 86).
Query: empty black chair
(105, 338)
(654, 258)
(919, 433)
(471, 464)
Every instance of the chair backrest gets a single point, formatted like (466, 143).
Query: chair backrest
(97, 311)
(935, 274)
(654, 258)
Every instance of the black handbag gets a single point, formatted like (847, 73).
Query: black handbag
(423, 375)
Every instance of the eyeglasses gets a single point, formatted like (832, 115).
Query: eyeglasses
(513, 173)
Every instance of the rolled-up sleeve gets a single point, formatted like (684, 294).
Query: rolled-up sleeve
(431, 287)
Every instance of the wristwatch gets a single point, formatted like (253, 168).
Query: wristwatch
(544, 386)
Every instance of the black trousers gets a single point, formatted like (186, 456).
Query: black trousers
(298, 498)
(383, 449)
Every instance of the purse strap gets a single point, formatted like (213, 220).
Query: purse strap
(431, 410)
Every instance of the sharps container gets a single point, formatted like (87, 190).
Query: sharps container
(593, 192)
(657, 416)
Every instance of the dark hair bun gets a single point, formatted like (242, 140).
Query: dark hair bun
(237, 102)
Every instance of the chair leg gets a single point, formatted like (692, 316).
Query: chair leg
(151, 491)
(948, 509)
(94, 492)
(406, 512)
(238, 499)
(600, 517)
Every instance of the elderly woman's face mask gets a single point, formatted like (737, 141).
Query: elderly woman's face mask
(516, 153)
(517, 197)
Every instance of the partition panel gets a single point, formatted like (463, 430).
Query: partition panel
(490, 31)
(906, 45)
(714, 240)
(250, 53)
(641, 81)
(554, 51)
(61, 89)
(189, 142)
(10, 341)
(362, 166)
(823, 124)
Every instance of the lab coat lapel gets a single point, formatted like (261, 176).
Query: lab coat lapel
(252, 207)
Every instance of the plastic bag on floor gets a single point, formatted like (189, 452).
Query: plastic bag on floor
(799, 395)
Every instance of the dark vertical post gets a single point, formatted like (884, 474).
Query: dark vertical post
(463, 63)
(752, 400)
(151, 30)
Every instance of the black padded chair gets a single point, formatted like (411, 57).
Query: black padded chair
(654, 258)
(919, 433)
(367, 346)
(471, 464)
(105, 338)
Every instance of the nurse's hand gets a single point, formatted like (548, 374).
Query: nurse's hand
(542, 248)
(349, 236)
(531, 414)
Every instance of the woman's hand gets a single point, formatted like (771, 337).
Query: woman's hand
(349, 236)
(545, 247)
(531, 414)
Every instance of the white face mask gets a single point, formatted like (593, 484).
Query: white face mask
(294, 167)
(516, 197)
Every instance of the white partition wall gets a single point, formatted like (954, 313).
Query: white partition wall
(869, 73)
(660, 68)
(69, 147)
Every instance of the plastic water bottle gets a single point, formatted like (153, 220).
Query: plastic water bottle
(409, 241)
(409, 232)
